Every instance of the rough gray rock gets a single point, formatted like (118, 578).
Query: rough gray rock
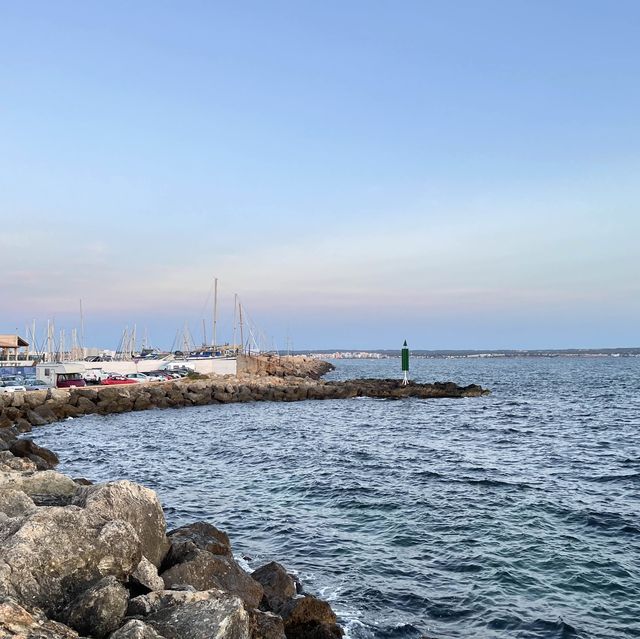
(204, 571)
(278, 585)
(135, 629)
(15, 503)
(199, 535)
(146, 576)
(222, 618)
(134, 504)
(158, 600)
(99, 610)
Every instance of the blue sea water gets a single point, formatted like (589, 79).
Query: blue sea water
(511, 515)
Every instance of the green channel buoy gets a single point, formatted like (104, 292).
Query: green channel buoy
(405, 363)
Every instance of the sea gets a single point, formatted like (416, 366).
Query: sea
(516, 514)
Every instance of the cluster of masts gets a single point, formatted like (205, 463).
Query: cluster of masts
(59, 345)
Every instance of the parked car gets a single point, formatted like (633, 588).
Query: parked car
(36, 384)
(70, 380)
(138, 377)
(95, 376)
(155, 376)
(112, 380)
(164, 375)
(10, 386)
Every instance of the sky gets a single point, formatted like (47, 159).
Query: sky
(458, 174)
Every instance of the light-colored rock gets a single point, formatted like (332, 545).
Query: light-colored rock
(9, 462)
(17, 622)
(134, 504)
(15, 503)
(46, 482)
(56, 552)
(146, 575)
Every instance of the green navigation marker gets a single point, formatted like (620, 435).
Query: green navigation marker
(405, 363)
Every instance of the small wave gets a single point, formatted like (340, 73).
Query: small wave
(609, 521)
(608, 478)
(428, 473)
(495, 483)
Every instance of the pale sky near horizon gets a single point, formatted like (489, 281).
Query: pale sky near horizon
(458, 174)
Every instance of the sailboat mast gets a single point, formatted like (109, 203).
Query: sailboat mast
(215, 311)
(82, 331)
(235, 312)
(241, 329)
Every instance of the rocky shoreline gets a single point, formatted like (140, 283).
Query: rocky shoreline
(84, 560)
(95, 560)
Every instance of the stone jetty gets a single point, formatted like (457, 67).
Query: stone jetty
(96, 560)
(268, 379)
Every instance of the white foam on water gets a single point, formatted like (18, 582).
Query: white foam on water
(243, 563)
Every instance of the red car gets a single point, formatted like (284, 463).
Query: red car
(69, 380)
(112, 380)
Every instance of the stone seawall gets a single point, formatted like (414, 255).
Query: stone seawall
(23, 410)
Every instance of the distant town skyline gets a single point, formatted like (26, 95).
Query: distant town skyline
(463, 176)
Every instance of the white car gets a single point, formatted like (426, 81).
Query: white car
(11, 387)
(138, 377)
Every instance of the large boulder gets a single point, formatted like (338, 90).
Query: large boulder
(221, 618)
(99, 610)
(193, 615)
(308, 617)
(134, 504)
(199, 535)
(153, 602)
(16, 621)
(278, 585)
(43, 457)
(57, 552)
(204, 571)
(49, 557)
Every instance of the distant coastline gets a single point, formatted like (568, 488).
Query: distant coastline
(472, 354)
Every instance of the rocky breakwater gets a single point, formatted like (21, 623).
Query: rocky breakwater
(83, 560)
(22, 411)
(285, 366)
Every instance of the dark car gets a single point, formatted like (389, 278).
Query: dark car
(69, 380)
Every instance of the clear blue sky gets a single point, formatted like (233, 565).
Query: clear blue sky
(460, 174)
